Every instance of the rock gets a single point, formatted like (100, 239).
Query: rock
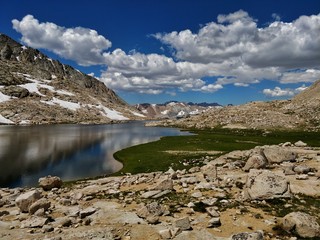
(87, 212)
(150, 194)
(64, 222)
(202, 234)
(161, 194)
(248, 236)
(264, 184)
(6, 52)
(25, 200)
(3, 213)
(210, 172)
(48, 182)
(183, 224)
(39, 204)
(288, 170)
(275, 154)
(151, 209)
(15, 91)
(47, 228)
(214, 222)
(152, 219)
(302, 169)
(300, 144)
(303, 224)
(34, 222)
(212, 212)
(165, 234)
(255, 162)
(165, 184)
(302, 177)
(196, 195)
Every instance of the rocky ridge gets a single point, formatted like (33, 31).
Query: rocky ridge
(174, 109)
(35, 89)
(269, 192)
(301, 112)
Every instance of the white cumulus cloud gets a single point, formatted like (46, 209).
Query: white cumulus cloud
(231, 50)
(278, 92)
(83, 45)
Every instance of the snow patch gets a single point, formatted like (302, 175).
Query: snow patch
(64, 92)
(112, 114)
(24, 122)
(65, 104)
(165, 112)
(137, 114)
(172, 104)
(32, 87)
(4, 98)
(5, 120)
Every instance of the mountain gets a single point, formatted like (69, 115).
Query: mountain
(302, 113)
(35, 89)
(174, 109)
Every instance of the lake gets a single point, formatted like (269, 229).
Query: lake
(69, 151)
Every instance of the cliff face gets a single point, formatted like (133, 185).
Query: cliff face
(37, 89)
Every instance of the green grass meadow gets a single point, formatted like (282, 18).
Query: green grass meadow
(154, 156)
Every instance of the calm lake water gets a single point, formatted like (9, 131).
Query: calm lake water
(68, 151)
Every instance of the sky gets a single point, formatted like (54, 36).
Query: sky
(229, 52)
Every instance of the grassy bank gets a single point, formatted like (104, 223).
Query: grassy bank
(176, 151)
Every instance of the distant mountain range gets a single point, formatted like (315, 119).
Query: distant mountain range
(174, 109)
(300, 113)
(35, 89)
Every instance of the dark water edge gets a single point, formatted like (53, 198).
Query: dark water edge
(69, 151)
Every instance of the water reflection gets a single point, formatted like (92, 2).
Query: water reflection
(69, 151)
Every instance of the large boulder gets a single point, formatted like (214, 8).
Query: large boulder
(49, 182)
(25, 200)
(302, 224)
(42, 203)
(15, 91)
(276, 154)
(264, 184)
(256, 161)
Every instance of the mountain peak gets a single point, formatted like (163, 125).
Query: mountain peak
(37, 89)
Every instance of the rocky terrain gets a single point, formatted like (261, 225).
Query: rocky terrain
(269, 192)
(174, 109)
(302, 112)
(35, 89)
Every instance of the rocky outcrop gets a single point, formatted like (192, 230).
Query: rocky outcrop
(25, 200)
(277, 154)
(264, 184)
(302, 224)
(219, 200)
(49, 182)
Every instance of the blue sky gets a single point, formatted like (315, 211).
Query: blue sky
(231, 51)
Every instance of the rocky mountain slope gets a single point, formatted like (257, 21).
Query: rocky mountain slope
(35, 89)
(269, 192)
(174, 109)
(302, 112)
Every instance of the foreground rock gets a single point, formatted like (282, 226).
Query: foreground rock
(220, 200)
(303, 224)
(49, 182)
(25, 200)
(264, 184)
